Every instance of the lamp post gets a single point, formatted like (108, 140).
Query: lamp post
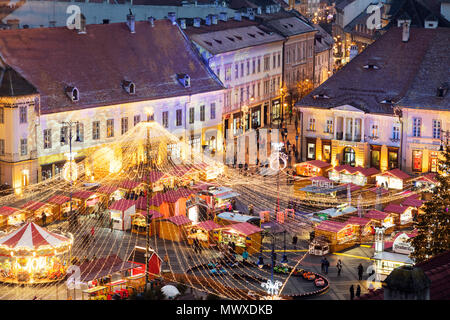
(284, 260)
(147, 217)
(272, 258)
(69, 125)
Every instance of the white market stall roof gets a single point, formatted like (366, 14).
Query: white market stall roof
(31, 237)
(394, 257)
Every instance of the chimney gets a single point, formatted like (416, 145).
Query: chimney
(405, 34)
(82, 29)
(208, 20)
(223, 16)
(183, 23)
(172, 17)
(214, 18)
(151, 20)
(131, 22)
(237, 16)
(197, 22)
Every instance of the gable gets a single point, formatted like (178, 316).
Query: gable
(347, 107)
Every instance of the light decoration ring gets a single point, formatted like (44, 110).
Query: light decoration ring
(272, 287)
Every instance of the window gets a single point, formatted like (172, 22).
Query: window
(137, 119)
(110, 128)
(396, 132)
(436, 129)
(242, 94)
(218, 72)
(47, 138)
(179, 117)
(375, 158)
(95, 130)
(80, 131)
(228, 72)
(124, 125)
(202, 113)
(2, 115)
(191, 115)
(165, 119)
(267, 63)
(417, 122)
(349, 156)
(279, 60)
(329, 127)
(236, 71)
(253, 66)
(392, 159)
(259, 65)
(23, 114)
(23, 147)
(266, 87)
(375, 130)
(248, 67)
(259, 89)
(253, 90)
(213, 111)
(311, 151)
(417, 160)
(274, 61)
(312, 124)
(242, 69)
(64, 135)
(2, 147)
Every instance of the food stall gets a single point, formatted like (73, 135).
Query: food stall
(62, 206)
(37, 209)
(381, 219)
(312, 168)
(87, 200)
(403, 216)
(386, 262)
(177, 201)
(11, 217)
(356, 175)
(32, 254)
(158, 180)
(416, 206)
(340, 235)
(212, 171)
(174, 228)
(137, 258)
(121, 212)
(220, 197)
(393, 179)
(110, 192)
(364, 228)
(244, 235)
(227, 218)
(129, 186)
(159, 202)
(139, 223)
(197, 209)
(204, 232)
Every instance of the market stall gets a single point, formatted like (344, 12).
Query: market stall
(364, 228)
(381, 219)
(87, 201)
(121, 212)
(356, 175)
(244, 235)
(132, 188)
(403, 216)
(340, 235)
(393, 179)
(158, 180)
(319, 246)
(62, 205)
(36, 210)
(206, 232)
(227, 218)
(137, 258)
(340, 211)
(177, 201)
(416, 206)
(220, 197)
(425, 181)
(110, 192)
(173, 228)
(312, 168)
(197, 210)
(386, 262)
(139, 223)
(32, 254)
(11, 217)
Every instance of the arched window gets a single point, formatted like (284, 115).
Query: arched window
(349, 156)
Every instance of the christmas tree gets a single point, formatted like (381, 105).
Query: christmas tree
(433, 230)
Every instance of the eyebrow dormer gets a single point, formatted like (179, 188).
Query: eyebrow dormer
(73, 93)
(129, 86)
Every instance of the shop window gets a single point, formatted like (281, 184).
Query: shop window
(417, 160)
(349, 156)
(393, 159)
(311, 150)
(433, 161)
(375, 159)
(110, 128)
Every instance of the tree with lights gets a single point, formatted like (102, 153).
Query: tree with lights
(433, 229)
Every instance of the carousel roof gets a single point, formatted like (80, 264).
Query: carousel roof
(32, 236)
(58, 199)
(7, 211)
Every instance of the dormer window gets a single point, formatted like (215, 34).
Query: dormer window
(372, 66)
(129, 86)
(73, 93)
(184, 79)
(387, 101)
(321, 96)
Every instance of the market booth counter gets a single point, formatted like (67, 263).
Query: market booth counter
(139, 223)
(121, 212)
(87, 201)
(174, 228)
(340, 235)
(403, 216)
(393, 179)
(11, 217)
(206, 232)
(62, 205)
(37, 210)
(312, 168)
(381, 219)
(32, 255)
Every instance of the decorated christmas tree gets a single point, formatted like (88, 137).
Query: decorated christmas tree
(433, 230)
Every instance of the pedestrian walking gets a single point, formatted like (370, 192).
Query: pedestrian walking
(352, 292)
(327, 265)
(360, 271)
(322, 265)
(44, 219)
(358, 291)
(294, 241)
(339, 266)
(245, 255)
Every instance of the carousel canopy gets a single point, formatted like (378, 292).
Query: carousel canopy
(31, 236)
(7, 211)
(58, 199)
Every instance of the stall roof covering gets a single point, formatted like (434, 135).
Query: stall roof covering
(359, 221)
(153, 176)
(31, 236)
(58, 199)
(353, 187)
(107, 189)
(235, 217)
(209, 225)
(122, 204)
(376, 215)
(397, 173)
(83, 194)
(320, 178)
(129, 184)
(429, 177)
(395, 208)
(156, 201)
(394, 257)
(412, 202)
(33, 205)
(220, 190)
(245, 228)
(315, 163)
(7, 211)
(138, 255)
(375, 189)
(179, 220)
(228, 195)
(101, 267)
(154, 214)
(332, 226)
(334, 212)
(353, 170)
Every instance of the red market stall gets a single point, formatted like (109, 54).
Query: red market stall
(416, 205)
(62, 205)
(137, 258)
(87, 200)
(11, 217)
(312, 168)
(356, 175)
(37, 210)
(205, 232)
(174, 228)
(121, 212)
(365, 229)
(403, 216)
(393, 179)
(158, 180)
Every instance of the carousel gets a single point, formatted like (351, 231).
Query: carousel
(32, 254)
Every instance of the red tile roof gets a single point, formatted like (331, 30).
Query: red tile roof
(245, 228)
(122, 204)
(317, 163)
(33, 205)
(333, 226)
(107, 189)
(411, 202)
(429, 177)
(153, 214)
(7, 211)
(353, 170)
(153, 176)
(97, 62)
(179, 220)
(83, 194)
(376, 215)
(358, 221)
(395, 208)
(129, 184)
(397, 173)
(209, 225)
(58, 199)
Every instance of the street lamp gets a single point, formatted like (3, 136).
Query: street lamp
(69, 125)
(149, 112)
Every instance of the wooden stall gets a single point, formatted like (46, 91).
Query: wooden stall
(174, 228)
(244, 235)
(312, 168)
(381, 219)
(340, 235)
(137, 258)
(425, 181)
(37, 209)
(176, 200)
(356, 175)
(205, 232)
(403, 216)
(416, 206)
(87, 201)
(158, 180)
(62, 205)
(139, 223)
(132, 188)
(121, 212)
(364, 228)
(110, 192)
(11, 217)
(393, 179)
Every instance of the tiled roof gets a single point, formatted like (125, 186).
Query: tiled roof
(153, 176)
(83, 194)
(101, 267)
(13, 84)
(245, 228)
(7, 211)
(122, 204)
(209, 225)
(290, 26)
(395, 208)
(179, 220)
(107, 189)
(58, 199)
(358, 221)
(129, 184)
(411, 202)
(316, 163)
(376, 215)
(33, 205)
(333, 226)
(397, 173)
(97, 62)
(429, 177)
(402, 68)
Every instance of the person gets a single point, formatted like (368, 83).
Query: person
(327, 264)
(360, 271)
(339, 266)
(294, 241)
(44, 218)
(352, 292)
(93, 232)
(358, 291)
(233, 246)
(245, 255)
(250, 209)
(322, 265)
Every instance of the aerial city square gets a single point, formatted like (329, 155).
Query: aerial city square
(224, 150)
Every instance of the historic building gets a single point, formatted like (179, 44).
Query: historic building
(107, 77)
(386, 108)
